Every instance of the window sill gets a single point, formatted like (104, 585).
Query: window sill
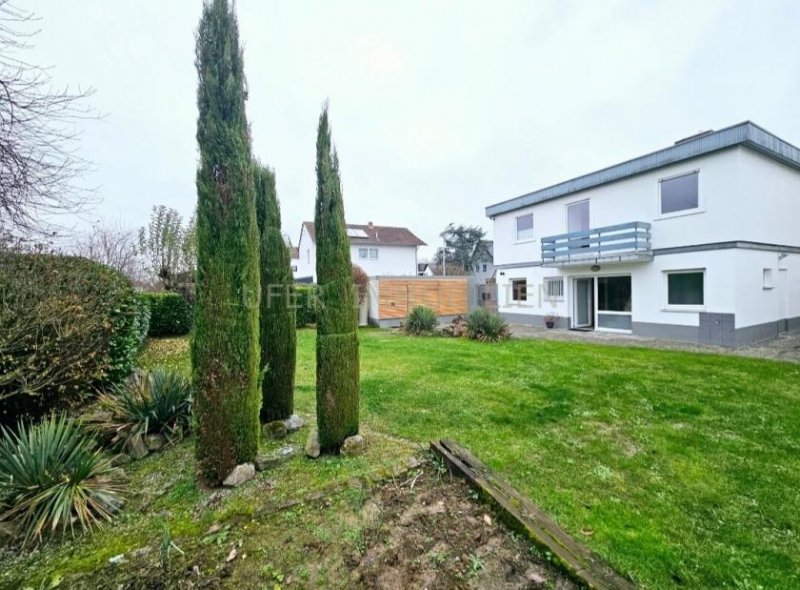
(528, 241)
(683, 213)
(684, 309)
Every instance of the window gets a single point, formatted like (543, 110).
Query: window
(614, 294)
(525, 227)
(554, 288)
(519, 290)
(484, 268)
(767, 279)
(294, 268)
(680, 193)
(308, 256)
(373, 253)
(362, 253)
(686, 288)
(578, 216)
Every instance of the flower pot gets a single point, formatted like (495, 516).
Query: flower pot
(550, 324)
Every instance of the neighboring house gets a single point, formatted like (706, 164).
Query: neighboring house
(484, 267)
(295, 258)
(698, 241)
(380, 250)
(424, 269)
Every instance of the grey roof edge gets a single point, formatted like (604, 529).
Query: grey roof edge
(746, 134)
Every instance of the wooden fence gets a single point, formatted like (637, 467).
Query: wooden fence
(396, 296)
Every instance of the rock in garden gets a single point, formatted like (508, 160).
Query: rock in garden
(136, 447)
(312, 445)
(412, 462)
(120, 459)
(116, 559)
(286, 452)
(294, 423)
(155, 442)
(274, 430)
(240, 474)
(354, 445)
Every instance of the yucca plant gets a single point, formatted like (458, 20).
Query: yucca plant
(52, 477)
(486, 326)
(421, 320)
(158, 402)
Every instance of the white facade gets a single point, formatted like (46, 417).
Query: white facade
(376, 259)
(743, 236)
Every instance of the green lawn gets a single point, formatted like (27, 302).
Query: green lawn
(682, 469)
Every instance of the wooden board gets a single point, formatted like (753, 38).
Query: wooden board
(524, 516)
(396, 297)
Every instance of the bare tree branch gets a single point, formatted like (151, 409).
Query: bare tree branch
(39, 161)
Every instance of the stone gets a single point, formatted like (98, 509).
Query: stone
(120, 459)
(370, 513)
(274, 430)
(136, 447)
(294, 423)
(117, 559)
(155, 442)
(312, 445)
(266, 463)
(286, 452)
(412, 462)
(240, 474)
(353, 445)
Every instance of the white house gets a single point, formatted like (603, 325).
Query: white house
(699, 241)
(380, 250)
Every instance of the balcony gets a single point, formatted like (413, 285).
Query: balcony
(626, 242)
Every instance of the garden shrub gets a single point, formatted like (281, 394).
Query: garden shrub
(486, 326)
(68, 326)
(421, 320)
(158, 402)
(170, 314)
(306, 302)
(52, 477)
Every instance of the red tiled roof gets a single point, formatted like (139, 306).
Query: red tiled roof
(377, 234)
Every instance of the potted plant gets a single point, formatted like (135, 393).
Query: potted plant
(550, 319)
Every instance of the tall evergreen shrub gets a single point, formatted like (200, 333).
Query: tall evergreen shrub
(277, 321)
(337, 323)
(225, 351)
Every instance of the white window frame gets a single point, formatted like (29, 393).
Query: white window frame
(684, 308)
(767, 279)
(566, 213)
(362, 253)
(371, 251)
(531, 238)
(701, 206)
(547, 281)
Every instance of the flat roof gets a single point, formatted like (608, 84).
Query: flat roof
(746, 134)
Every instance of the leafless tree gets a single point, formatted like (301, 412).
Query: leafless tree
(39, 162)
(114, 245)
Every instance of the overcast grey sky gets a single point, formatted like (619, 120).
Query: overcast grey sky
(438, 108)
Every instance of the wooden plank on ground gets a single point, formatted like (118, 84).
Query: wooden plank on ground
(523, 515)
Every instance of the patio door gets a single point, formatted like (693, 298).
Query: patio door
(583, 303)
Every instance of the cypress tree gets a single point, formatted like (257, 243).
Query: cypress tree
(225, 354)
(278, 338)
(337, 323)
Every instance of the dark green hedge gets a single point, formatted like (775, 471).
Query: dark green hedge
(306, 302)
(170, 314)
(68, 326)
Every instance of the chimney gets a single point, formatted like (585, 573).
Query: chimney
(369, 224)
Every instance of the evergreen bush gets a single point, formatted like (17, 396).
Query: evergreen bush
(277, 318)
(170, 314)
(68, 327)
(225, 349)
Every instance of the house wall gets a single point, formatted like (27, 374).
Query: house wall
(392, 260)
(732, 182)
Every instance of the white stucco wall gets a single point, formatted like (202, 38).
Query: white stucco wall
(391, 261)
(743, 196)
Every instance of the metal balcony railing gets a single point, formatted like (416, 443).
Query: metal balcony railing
(618, 243)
